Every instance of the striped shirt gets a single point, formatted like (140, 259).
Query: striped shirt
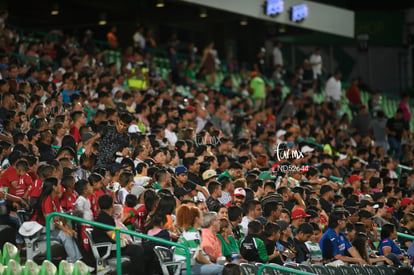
(191, 239)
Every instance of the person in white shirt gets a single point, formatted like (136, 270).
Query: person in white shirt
(254, 210)
(333, 89)
(170, 135)
(277, 55)
(317, 67)
(138, 38)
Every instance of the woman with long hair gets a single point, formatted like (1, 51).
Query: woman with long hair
(189, 220)
(387, 246)
(360, 243)
(47, 203)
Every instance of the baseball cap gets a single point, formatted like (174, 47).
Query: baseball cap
(189, 185)
(364, 203)
(266, 176)
(181, 191)
(307, 149)
(354, 178)
(280, 133)
(325, 189)
(180, 170)
(365, 214)
(239, 192)
(283, 225)
(406, 201)
(208, 174)
(377, 196)
(299, 213)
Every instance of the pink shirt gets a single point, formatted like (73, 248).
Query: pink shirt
(406, 110)
(210, 243)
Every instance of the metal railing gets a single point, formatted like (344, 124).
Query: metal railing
(118, 232)
(282, 268)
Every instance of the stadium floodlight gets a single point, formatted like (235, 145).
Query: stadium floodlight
(244, 22)
(160, 4)
(102, 19)
(203, 13)
(55, 9)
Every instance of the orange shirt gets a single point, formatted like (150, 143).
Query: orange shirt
(210, 243)
(112, 40)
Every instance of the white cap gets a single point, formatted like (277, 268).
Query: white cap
(134, 129)
(342, 156)
(306, 149)
(280, 133)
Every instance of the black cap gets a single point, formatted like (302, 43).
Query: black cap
(312, 213)
(189, 185)
(364, 203)
(365, 214)
(326, 166)
(377, 196)
(325, 189)
(181, 191)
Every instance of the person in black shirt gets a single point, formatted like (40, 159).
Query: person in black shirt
(113, 139)
(396, 129)
(213, 204)
(99, 235)
(326, 198)
(270, 236)
(193, 167)
(305, 231)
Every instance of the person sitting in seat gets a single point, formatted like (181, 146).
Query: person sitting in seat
(49, 202)
(99, 235)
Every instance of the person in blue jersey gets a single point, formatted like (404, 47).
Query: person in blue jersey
(334, 243)
(387, 246)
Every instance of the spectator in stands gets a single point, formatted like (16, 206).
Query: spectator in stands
(254, 210)
(403, 105)
(188, 220)
(210, 243)
(229, 246)
(407, 227)
(252, 247)
(396, 129)
(317, 66)
(334, 243)
(313, 244)
(304, 233)
(99, 235)
(47, 203)
(354, 96)
(387, 246)
(333, 90)
(360, 243)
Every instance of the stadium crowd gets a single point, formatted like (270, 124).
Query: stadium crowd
(239, 172)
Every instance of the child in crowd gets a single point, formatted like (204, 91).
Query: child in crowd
(129, 213)
(285, 244)
(67, 202)
(96, 181)
(83, 208)
(126, 180)
(313, 244)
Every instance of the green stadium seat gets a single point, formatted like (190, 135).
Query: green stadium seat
(248, 269)
(306, 268)
(48, 268)
(320, 269)
(81, 268)
(10, 251)
(31, 268)
(13, 268)
(65, 268)
(371, 270)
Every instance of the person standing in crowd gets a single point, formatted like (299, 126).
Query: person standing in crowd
(277, 55)
(396, 129)
(317, 66)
